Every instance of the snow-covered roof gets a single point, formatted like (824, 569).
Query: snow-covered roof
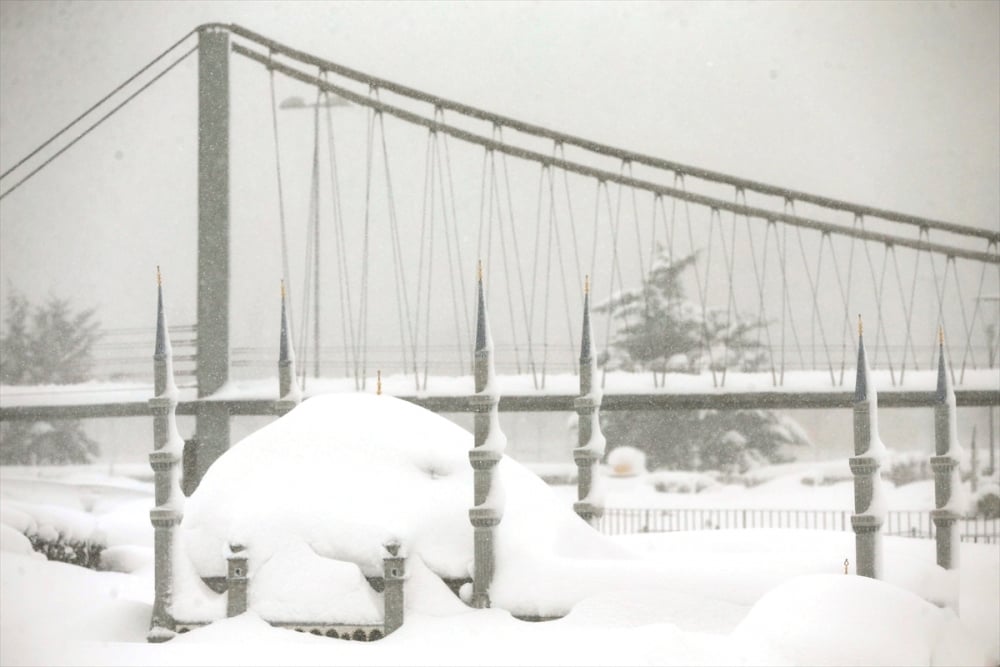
(342, 474)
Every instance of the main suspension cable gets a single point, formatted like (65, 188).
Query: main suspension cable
(103, 118)
(99, 103)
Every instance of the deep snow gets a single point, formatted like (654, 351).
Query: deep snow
(314, 503)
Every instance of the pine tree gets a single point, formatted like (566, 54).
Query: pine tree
(47, 344)
(660, 330)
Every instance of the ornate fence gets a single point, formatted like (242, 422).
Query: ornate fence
(904, 523)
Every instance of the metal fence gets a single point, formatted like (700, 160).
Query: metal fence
(912, 523)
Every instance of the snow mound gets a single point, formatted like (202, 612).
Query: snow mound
(852, 620)
(339, 476)
(14, 542)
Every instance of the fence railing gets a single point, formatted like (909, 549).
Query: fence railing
(903, 523)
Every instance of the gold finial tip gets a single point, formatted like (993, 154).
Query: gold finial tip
(586, 284)
(378, 383)
(159, 278)
(479, 271)
(941, 335)
(282, 288)
(861, 326)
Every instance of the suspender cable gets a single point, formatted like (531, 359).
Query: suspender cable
(965, 321)
(427, 198)
(562, 272)
(406, 325)
(517, 255)
(454, 267)
(281, 199)
(534, 270)
(907, 313)
(312, 256)
(975, 313)
(362, 352)
(347, 327)
(506, 269)
(460, 264)
(430, 274)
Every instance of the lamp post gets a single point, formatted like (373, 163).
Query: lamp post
(991, 351)
(327, 100)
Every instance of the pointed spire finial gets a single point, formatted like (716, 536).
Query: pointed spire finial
(282, 289)
(481, 326)
(479, 271)
(586, 284)
(943, 385)
(378, 383)
(861, 388)
(160, 349)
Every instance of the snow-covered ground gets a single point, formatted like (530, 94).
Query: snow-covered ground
(716, 597)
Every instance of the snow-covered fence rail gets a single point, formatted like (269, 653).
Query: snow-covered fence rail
(904, 523)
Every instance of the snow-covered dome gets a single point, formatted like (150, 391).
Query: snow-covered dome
(343, 473)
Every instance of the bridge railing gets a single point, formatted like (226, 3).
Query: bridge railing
(124, 354)
(902, 523)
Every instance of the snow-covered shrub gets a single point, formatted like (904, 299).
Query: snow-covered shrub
(626, 461)
(907, 467)
(985, 502)
(672, 481)
(56, 547)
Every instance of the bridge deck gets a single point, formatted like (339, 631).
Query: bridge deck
(623, 391)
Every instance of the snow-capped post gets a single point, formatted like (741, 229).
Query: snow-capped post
(945, 467)
(869, 508)
(394, 574)
(289, 393)
(236, 580)
(164, 460)
(591, 442)
(490, 442)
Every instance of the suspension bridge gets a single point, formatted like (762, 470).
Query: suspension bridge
(404, 191)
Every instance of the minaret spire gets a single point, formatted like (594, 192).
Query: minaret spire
(488, 500)
(868, 449)
(289, 393)
(861, 377)
(165, 460)
(947, 482)
(482, 326)
(590, 441)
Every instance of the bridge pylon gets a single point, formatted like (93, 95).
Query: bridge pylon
(212, 421)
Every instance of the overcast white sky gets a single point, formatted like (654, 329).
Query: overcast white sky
(891, 104)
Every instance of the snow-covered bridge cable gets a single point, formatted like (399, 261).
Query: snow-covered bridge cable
(602, 149)
(611, 177)
(98, 103)
(103, 118)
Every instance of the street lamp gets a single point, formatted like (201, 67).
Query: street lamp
(326, 100)
(991, 338)
(329, 100)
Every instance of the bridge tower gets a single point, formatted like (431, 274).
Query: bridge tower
(212, 421)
